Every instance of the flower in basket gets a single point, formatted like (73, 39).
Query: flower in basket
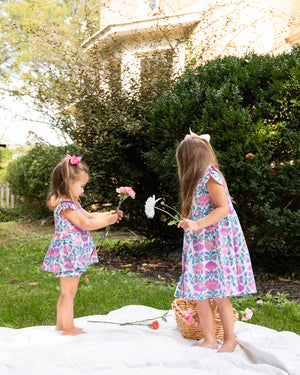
(123, 193)
(150, 207)
(188, 316)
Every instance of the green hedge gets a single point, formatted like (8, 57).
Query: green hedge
(29, 177)
(251, 108)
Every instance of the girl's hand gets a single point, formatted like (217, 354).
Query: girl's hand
(120, 215)
(187, 224)
(115, 217)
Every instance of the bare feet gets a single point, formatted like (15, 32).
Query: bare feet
(228, 346)
(209, 344)
(73, 331)
(60, 328)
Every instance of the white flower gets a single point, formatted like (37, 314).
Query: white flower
(150, 206)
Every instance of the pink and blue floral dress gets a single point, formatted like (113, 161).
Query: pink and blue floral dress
(72, 249)
(206, 271)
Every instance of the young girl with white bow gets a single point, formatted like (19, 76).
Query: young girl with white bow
(215, 261)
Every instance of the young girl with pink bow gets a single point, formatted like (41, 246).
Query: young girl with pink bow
(215, 261)
(72, 249)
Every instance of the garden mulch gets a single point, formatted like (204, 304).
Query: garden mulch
(170, 272)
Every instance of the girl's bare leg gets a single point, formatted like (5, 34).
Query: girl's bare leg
(227, 319)
(68, 287)
(59, 323)
(206, 318)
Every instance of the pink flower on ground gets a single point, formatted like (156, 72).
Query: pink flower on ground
(126, 190)
(247, 314)
(155, 324)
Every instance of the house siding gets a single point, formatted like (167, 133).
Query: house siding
(222, 27)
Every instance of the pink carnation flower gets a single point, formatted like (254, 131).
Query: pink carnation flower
(188, 316)
(247, 314)
(189, 320)
(126, 190)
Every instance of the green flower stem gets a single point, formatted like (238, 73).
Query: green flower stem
(103, 237)
(177, 221)
(168, 213)
(137, 322)
(199, 235)
(172, 208)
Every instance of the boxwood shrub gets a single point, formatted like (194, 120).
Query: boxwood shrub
(251, 108)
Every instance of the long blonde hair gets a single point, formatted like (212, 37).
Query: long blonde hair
(63, 174)
(193, 157)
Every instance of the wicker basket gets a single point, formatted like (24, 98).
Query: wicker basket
(194, 331)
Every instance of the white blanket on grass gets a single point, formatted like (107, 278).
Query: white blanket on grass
(138, 350)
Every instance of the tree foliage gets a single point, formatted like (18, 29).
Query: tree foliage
(109, 128)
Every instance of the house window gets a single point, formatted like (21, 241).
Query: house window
(114, 75)
(156, 73)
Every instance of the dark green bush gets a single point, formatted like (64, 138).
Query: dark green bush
(251, 108)
(8, 214)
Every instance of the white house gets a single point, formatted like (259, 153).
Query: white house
(134, 32)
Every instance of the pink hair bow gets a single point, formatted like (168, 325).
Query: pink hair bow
(74, 159)
(194, 135)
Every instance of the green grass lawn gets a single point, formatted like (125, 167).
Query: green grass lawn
(28, 295)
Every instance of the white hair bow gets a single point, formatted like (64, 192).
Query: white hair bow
(202, 136)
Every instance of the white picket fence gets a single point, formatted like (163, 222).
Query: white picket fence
(7, 199)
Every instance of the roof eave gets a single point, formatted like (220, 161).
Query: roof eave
(129, 28)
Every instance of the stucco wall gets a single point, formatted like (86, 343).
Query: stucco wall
(223, 27)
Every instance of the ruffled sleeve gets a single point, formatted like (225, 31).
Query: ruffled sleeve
(215, 174)
(65, 204)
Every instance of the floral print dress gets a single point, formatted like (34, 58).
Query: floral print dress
(72, 249)
(206, 271)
